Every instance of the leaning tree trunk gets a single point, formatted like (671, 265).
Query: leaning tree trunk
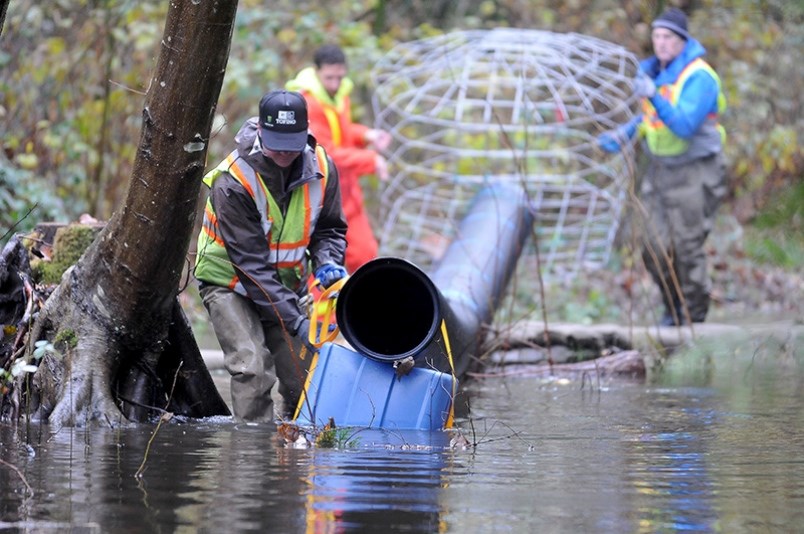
(3, 10)
(122, 337)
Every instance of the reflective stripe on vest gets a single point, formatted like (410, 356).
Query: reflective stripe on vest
(334, 124)
(288, 236)
(661, 140)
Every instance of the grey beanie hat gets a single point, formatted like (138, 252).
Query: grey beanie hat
(674, 20)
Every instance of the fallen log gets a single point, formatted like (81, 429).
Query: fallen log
(628, 364)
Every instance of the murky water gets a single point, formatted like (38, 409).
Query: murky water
(715, 444)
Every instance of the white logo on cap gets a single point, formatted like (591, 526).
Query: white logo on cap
(286, 117)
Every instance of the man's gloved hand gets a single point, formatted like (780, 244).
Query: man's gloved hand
(644, 87)
(329, 273)
(608, 141)
(303, 335)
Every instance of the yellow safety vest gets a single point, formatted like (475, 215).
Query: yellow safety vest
(288, 236)
(661, 140)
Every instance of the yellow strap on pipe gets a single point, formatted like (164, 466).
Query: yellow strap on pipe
(323, 309)
(451, 416)
(306, 388)
(324, 306)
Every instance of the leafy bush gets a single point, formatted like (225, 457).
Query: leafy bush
(25, 201)
(75, 74)
(777, 236)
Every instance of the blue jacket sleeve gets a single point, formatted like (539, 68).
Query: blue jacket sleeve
(630, 127)
(697, 99)
(612, 141)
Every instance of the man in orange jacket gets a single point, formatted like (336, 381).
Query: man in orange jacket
(353, 147)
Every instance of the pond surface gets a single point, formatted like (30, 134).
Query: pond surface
(715, 443)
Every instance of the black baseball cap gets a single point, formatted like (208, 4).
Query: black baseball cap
(283, 121)
(674, 20)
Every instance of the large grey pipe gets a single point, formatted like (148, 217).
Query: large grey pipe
(390, 309)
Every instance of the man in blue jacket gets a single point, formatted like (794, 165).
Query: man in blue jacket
(684, 184)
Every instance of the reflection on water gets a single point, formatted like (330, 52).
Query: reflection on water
(714, 445)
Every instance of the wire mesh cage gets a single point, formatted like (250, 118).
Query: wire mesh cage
(471, 108)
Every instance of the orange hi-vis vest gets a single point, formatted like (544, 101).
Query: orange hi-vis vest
(661, 140)
(288, 236)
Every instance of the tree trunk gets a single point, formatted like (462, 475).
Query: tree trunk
(118, 303)
(3, 11)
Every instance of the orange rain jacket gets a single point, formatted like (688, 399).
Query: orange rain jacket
(331, 124)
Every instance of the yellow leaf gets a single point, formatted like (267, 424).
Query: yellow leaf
(286, 35)
(27, 161)
(55, 45)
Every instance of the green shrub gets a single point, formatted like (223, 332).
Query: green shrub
(777, 234)
(25, 201)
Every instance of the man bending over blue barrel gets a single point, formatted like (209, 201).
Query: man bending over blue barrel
(274, 210)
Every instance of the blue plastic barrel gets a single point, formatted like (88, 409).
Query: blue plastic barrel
(356, 391)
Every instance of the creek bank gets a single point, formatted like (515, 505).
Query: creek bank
(611, 350)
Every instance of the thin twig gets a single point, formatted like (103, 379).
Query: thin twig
(165, 417)
(10, 230)
(19, 474)
(141, 405)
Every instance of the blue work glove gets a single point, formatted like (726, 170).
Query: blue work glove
(608, 141)
(303, 335)
(329, 273)
(613, 140)
(644, 86)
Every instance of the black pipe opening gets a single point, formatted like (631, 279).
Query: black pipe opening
(388, 309)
